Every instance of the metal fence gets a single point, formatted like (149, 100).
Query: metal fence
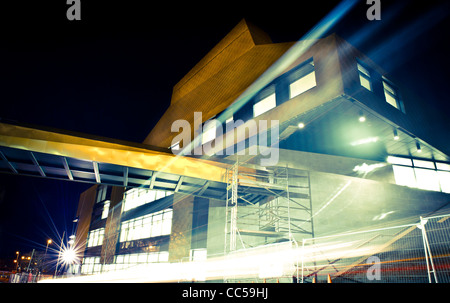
(23, 277)
(413, 253)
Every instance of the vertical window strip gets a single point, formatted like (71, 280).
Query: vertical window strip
(364, 77)
(390, 94)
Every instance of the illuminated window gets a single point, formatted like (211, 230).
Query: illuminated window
(91, 265)
(423, 174)
(199, 254)
(101, 193)
(444, 180)
(399, 160)
(364, 77)
(302, 85)
(443, 166)
(139, 196)
(427, 179)
(95, 237)
(105, 209)
(264, 105)
(404, 175)
(390, 94)
(423, 164)
(302, 79)
(142, 258)
(152, 225)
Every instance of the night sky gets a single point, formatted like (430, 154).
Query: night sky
(112, 73)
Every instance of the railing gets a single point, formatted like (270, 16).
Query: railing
(25, 277)
(416, 253)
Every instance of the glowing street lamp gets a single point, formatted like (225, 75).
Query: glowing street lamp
(17, 260)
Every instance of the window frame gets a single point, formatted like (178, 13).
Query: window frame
(440, 170)
(300, 72)
(364, 73)
(269, 98)
(391, 90)
(136, 229)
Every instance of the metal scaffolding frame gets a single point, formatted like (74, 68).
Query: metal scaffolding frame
(281, 212)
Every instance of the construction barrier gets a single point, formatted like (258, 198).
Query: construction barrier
(412, 253)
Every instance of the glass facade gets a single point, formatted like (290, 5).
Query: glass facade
(139, 196)
(95, 237)
(92, 265)
(152, 225)
(423, 174)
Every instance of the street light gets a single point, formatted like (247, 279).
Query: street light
(17, 260)
(49, 241)
(72, 240)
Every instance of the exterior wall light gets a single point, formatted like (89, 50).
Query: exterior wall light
(361, 118)
(396, 137)
(419, 148)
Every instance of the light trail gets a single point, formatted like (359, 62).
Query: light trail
(270, 261)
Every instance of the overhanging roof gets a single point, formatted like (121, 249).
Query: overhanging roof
(334, 127)
(43, 152)
(30, 151)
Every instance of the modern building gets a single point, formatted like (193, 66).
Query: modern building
(348, 151)
(346, 157)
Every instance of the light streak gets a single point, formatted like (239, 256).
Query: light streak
(364, 141)
(276, 260)
(332, 199)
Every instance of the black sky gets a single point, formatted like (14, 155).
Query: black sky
(111, 74)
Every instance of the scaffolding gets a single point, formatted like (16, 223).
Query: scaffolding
(265, 206)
